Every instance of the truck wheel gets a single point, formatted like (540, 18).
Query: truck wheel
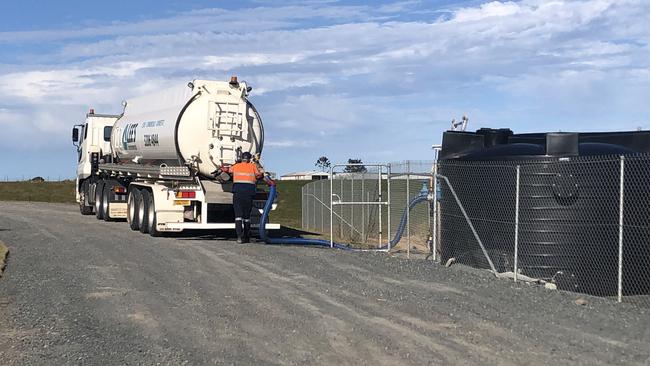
(143, 211)
(151, 216)
(83, 197)
(132, 206)
(99, 194)
(106, 201)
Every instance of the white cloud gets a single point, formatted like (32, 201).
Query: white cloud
(324, 72)
(282, 144)
(489, 10)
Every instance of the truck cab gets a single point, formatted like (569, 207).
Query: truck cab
(92, 140)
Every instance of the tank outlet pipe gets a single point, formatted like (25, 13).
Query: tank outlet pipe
(421, 197)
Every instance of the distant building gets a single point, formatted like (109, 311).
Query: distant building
(310, 175)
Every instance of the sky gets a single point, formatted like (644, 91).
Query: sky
(379, 81)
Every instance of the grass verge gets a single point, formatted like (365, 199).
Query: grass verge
(61, 192)
(4, 252)
(288, 213)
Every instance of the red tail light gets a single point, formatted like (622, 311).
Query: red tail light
(186, 194)
(120, 190)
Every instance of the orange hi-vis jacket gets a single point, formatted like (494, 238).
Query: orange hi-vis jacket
(245, 173)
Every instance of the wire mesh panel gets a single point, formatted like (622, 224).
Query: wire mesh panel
(364, 214)
(411, 180)
(477, 214)
(360, 210)
(635, 249)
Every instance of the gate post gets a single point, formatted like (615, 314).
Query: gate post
(516, 269)
(408, 211)
(621, 204)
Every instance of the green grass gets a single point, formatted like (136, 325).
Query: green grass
(62, 192)
(288, 212)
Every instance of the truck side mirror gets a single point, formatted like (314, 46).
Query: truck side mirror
(75, 135)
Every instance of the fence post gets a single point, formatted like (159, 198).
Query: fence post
(302, 217)
(342, 209)
(308, 208)
(352, 206)
(434, 234)
(331, 201)
(408, 212)
(363, 209)
(313, 213)
(388, 168)
(322, 207)
(380, 199)
(621, 200)
(516, 269)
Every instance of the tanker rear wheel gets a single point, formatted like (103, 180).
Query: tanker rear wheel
(143, 211)
(106, 201)
(99, 195)
(83, 197)
(132, 206)
(151, 216)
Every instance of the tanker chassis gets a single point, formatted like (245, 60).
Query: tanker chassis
(158, 164)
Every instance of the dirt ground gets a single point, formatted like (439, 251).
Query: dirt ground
(80, 291)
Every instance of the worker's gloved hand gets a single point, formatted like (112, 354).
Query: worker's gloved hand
(269, 181)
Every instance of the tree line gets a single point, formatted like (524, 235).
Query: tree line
(356, 165)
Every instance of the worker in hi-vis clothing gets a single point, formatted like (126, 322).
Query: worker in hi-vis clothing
(244, 175)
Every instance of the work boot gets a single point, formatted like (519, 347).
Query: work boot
(239, 228)
(247, 231)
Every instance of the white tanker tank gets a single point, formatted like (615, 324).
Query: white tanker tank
(205, 124)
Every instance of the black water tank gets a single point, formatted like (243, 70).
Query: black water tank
(569, 207)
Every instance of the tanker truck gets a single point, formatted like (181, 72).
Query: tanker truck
(158, 163)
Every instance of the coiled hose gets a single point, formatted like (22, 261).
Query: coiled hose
(326, 243)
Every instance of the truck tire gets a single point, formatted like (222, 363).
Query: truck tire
(99, 194)
(132, 207)
(83, 197)
(106, 201)
(151, 215)
(143, 211)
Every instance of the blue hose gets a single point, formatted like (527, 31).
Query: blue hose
(403, 221)
(291, 241)
(326, 243)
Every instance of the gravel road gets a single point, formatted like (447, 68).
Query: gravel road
(80, 291)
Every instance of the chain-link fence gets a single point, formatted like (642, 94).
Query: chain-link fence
(369, 206)
(578, 224)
